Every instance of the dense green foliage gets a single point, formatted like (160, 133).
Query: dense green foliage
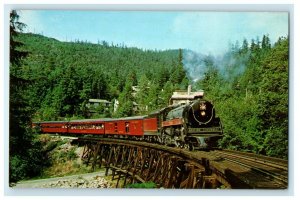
(249, 88)
(64, 75)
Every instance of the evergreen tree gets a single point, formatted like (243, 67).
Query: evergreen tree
(265, 44)
(166, 94)
(178, 75)
(152, 97)
(15, 26)
(126, 101)
(142, 94)
(245, 47)
(25, 158)
(211, 79)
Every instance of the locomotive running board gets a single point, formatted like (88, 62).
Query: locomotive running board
(200, 131)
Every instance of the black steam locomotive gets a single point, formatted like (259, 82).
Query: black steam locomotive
(193, 125)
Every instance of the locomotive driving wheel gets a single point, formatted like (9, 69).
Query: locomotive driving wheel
(183, 134)
(179, 143)
(184, 145)
(191, 147)
(167, 138)
(163, 137)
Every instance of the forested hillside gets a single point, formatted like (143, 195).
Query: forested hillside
(53, 80)
(64, 75)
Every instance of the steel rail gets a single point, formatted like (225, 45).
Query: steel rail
(265, 172)
(271, 161)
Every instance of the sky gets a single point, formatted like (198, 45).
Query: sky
(203, 32)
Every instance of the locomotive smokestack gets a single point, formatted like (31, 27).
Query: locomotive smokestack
(189, 89)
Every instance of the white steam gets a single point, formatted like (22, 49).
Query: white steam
(229, 65)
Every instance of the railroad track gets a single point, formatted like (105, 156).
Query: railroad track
(270, 161)
(274, 169)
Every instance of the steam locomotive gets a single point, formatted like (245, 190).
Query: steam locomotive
(191, 125)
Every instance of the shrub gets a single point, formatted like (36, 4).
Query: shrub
(17, 168)
(50, 146)
(142, 185)
(71, 155)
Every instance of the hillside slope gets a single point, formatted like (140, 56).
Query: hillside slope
(64, 75)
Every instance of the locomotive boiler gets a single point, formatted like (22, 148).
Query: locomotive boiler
(193, 125)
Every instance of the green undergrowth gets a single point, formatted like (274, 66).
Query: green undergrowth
(148, 185)
(64, 158)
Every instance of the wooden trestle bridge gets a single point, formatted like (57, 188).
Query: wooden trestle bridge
(138, 162)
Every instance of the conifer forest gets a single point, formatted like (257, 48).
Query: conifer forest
(53, 80)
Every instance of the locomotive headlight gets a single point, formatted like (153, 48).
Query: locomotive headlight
(202, 113)
(202, 106)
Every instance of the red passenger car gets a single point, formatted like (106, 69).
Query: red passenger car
(150, 126)
(87, 126)
(128, 126)
(54, 126)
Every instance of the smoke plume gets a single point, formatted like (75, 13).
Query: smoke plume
(229, 65)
